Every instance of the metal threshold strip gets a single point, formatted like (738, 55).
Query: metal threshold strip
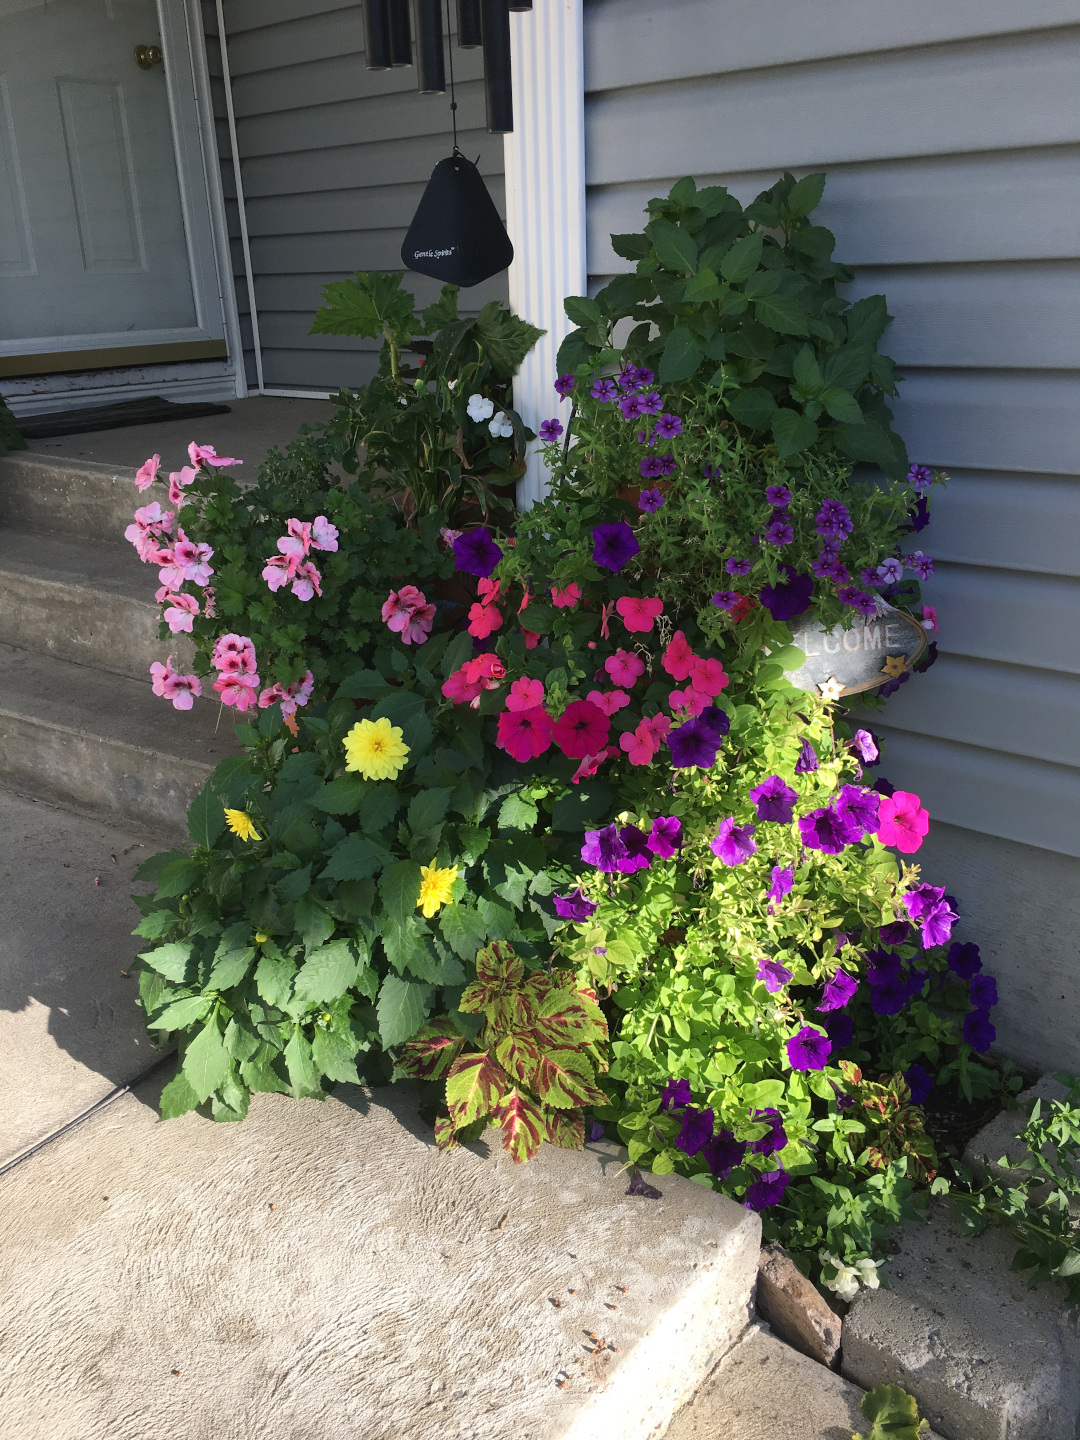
(67, 361)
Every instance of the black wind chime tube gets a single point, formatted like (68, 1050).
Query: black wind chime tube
(469, 25)
(400, 33)
(498, 87)
(430, 62)
(377, 34)
(521, 5)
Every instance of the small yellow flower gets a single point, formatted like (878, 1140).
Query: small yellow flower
(894, 665)
(435, 887)
(376, 749)
(241, 823)
(260, 938)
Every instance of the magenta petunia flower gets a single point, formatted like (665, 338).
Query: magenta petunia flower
(772, 975)
(582, 729)
(625, 668)
(774, 800)
(665, 839)
(733, 843)
(675, 1094)
(903, 821)
(603, 848)
(476, 552)
(775, 1137)
(614, 545)
(550, 430)
(525, 734)
(767, 1190)
(808, 1050)
(697, 1129)
(839, 992)
(575, 906)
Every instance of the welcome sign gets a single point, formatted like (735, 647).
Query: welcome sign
(846, 662)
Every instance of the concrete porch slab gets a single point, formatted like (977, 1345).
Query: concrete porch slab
(320, 1272)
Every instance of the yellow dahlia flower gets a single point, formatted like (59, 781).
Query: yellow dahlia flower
(376, 749)
(241, 823)
(435, 885)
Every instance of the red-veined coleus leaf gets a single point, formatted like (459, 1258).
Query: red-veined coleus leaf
(473, 1087)
(429, 1054)
(565, 1079)
(523, 1125)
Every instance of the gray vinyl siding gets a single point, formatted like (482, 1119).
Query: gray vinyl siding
(334, 160)
(950, 134)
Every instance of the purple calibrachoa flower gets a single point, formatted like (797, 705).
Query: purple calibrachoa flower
(712, 472)
(643, 437)
(775, 1138)
(920, 479)
(650, 501)
(667, 427)
(779, 533)
(919, 1082)
(604, 849)
(636, 844)
(734, 844)
(726, 599)
(675, 1094)
(807, 760)
(979, 1033)
(631, 407)
(564, 385)
(782, 881)
(984, 994)
(826, 831)
(652, 467)
(735, 566)
(827, 566)
(476, 552)
(920, 564)
(668, 465)
(859, 808)
(550, 430)
(834, 520)
(865, 746)
(774, 800)
(603, 390)
(808, 1050)
(767, 1190)
(666, 837)
(839, 992)
(694, 743)
(772, 975)
(964, 959)
(723, 1152)
(789, 597)
(890, 571)
(778, 495)
(651, 404)
(614, 545)
(858, 600)
(697, 1128)
(575, 906)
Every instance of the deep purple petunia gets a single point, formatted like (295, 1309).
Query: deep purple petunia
(779, 532)
(738, 567)
(919, 516)
(712, 472)
(890, 986)
(883, 786)
(808, 1050)
(476, 552)
(718, 721)
(789, 597)
(603, 390)
(767, 1190)
(984, 995)
(550, 430)
(722, 1153)
(613, 545)
(774, 800)
(603, 848)
(807, 760)
(859, 808)
(919, 1082)
(936, 925)
(859, 600)
(775, 1138)
(839, 991)
(865, 745)
(564, 385)
(726, 599)
(697, 1128)
(778, 495)
(675, 1094)
(694, 743)
(782, 881)
(840, 1028)
(595, 1130)
(667, 427)
(979, 1033)
(575, 906)
(640, 1186)
(734, 843)
(897, 932)
(636, 844)
(772, 975)
(964, 959)
(665, 839)
(827, 831)
(650, 501)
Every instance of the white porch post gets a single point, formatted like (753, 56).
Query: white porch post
(545, 200)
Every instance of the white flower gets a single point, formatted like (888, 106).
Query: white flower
(868, 1273)
(402, 399)
(501, 426)
(845, 1281)
(831, 689)
(480, 408)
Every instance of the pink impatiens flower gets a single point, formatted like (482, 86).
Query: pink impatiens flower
(180, 613)
(590, 764)
(678, 657)
(609, 700)
(708, 676)
(903, 821)
(638, 614)
(525, 734)
(525, 694)
(645, 741)
(147, 472)
(207, 455)
(691, 700)
(483, 619)
(482, 672)
(180, 689)
(625, 668)
(566, 598)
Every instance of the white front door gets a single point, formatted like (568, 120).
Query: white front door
(105, 240)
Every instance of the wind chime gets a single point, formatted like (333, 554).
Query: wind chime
(456, 235)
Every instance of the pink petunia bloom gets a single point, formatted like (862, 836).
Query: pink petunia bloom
(207, 455)
(678, 657)
(609, 700)
(306, 582)
(525, 734)
(582, 729)
(637, 614)
(234, 651)
(399, 606)
(180, 689)
(276, 572)
(903, 821)
(419, 627)
(483, 619)
(625, 668)
(324, 536)
(192, 558)
(640, 746)
(591, 763)
(691, 700)
(525, 694)
(238, 690)
(708, 676)
(181, 612)
(568, 597)
(147, 472)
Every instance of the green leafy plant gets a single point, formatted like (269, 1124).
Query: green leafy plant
(894, 1415)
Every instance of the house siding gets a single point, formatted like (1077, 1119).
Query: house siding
(950, 134)
(334, 159)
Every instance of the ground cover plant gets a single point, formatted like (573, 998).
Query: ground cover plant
(529, 809)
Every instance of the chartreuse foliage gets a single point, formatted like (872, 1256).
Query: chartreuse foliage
(893, 1413)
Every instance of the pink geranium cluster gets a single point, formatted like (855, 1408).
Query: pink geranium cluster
(408, 613)
(238, 681)
(483, 672)
(292, 567)
(150, 526)
(180, 689)
(288, 697)
(199, 455)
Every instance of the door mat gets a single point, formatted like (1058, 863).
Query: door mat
(152, 410)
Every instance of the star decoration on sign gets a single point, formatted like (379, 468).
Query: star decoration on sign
(894, 665)
(831, 689)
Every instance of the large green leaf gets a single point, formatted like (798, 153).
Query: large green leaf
(177, 1098)
(805, 194)
(334, 1056)
(326, 973)
(581, 310)
(274, 975)
(463, 929)
(182, 1013)
(363, 306)
(782, 313)
(427, 808)
(302, 1073)
(752, 406)
(378, 807)
(682, 355)
(841, 405)
(631, 247)
(400, 889)
(355, 858)
(676, 249)
(206, 818)
(516, 813)
(170, 960)
(506, 338)
(577, 809)
(206, 1061)
(401, 1009)
(177, 878)
(408, 712)
(870, 442)
(792, 432)
(742, 259)
(342, 796)
(867, 319)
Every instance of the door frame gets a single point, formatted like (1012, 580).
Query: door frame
(174, 354)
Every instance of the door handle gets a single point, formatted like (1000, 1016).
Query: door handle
(147, 56)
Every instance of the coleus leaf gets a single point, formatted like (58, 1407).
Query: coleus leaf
(566, 1131)
(474, 1084)
(523, 1126)
(429, 1055)
(565, 1078)
(497, 965)
(520, 1056)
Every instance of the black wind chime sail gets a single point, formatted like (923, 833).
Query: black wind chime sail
(456, 234)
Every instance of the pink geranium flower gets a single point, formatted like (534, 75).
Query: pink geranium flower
(638, 614)
(147, 472)
(149, 524)
(178, 480)
(525, 734)
(306, 582)
(609, 701)
(525, 694)
(180, 613)
(568, 597)
(207, 455)
(298, 530)
(288, 697)
(192, 559)
(399, 606)
(582, 729)
(903, 821)
(276, 572)
(419, 627)
(239, 690)
(691, 700)
(324, 536)
(235, 653)
(708, 676)
(625, 668)
(180, 689)
(678, 657)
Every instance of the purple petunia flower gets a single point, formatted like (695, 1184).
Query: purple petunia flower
(652, 467)
(565, 385)
(767, 1190)
(595, 1130)
(650, 501)
(603, 390)
(920, 565)
(726, 599)
(807, 760)
(859, 600)
(918, 516)
(964, 959)
(734, 844)
(774, 800)
(772, 975)
(735, 566)
(827, 831)
(808, 1050)
(675, 1094)
(839, 991)
(643, 437)
(833, 519)
(476, 552)
(919, 902)
(891, 572)
(789, 597)
(895, 933)
(712, 472)
(936, 925)
(697, 1128)
(604, 849)
(665, 839)
(775, 1138)
(984, 995)
(890, 987)
(694, 743)
(840, 1028)
(883, 786)
(636, 845)
(782, 881)
(859, 808)
(722, 1153)
(550, 430)
(919, 1082)
(667, 427)
(778, 495)
(920, 479)
(865, 745)
(575, 906)
(979, 1033)
(779, 533)
(613, 545)
(640, 1186)
(651, 404)
(868, 575)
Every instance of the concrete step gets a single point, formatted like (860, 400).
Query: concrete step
(78, 498)
(321, 1272)
(104, 743)
(86, 601)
